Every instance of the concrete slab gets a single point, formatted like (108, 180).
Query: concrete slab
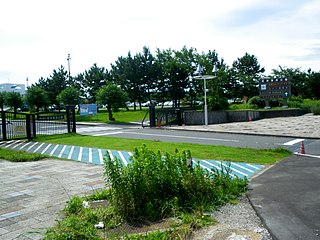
(29, 217)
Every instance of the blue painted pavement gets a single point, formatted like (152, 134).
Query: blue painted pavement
(96, 155)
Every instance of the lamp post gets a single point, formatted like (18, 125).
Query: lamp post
(68, 59)
(205, 78)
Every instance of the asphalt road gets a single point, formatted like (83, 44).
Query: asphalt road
(287, 198)
(208, 138)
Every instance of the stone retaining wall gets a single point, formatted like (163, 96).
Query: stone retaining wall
(215, 117)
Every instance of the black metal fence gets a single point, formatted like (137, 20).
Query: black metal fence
(25, 125)
(165, 116)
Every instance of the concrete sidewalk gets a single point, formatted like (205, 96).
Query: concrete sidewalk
(33, 193)
(305, 126)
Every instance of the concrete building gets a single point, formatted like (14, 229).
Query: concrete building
(11, 87)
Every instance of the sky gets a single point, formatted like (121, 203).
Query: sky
(36, 36)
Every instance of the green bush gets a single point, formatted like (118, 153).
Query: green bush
(315, 109)
(257, 102)
(154, 186)
(294, 102)
(217, 103)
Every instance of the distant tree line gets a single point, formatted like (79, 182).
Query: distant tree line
(166, 75)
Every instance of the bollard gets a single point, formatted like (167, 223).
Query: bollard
(302, 151)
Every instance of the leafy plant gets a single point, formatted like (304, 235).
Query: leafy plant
(315, 109)
(151, 183)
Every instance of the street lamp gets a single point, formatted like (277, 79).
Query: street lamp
(205, 78)
(68, 59)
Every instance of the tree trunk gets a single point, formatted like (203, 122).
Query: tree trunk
(110, 114)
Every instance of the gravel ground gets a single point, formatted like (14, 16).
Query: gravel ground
(236, 222)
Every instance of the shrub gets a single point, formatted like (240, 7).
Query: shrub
(257, 102)
(218, 103)
(153, 186)
(315, 109)
(294, 102)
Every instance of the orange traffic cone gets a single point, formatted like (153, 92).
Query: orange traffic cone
(302, 151)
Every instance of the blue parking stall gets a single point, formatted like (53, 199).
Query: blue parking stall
(56, 151)
(75, 153)
(96, 156)
(85, 155)
(65, 152)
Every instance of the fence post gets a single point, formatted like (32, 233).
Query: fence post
(4, 126)
(152, 115)
(74, 129)
(71, 117)
(34, 126)
(28, 126)
(179, 117)
(68, 119)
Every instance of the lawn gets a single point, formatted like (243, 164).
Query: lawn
(248, 155)
(121, 116)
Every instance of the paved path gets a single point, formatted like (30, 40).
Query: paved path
(306, 126)
(287, 198)
(95, 156)
(33, 193)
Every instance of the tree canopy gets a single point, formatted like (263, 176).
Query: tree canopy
(168, 76)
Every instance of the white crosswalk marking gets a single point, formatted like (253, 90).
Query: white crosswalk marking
(290, 143)
(90, 155)
(70, 153)
(80, 154)
(54, 149)
(95, 129)
(44, 150)
(62, 151)
(100, 155)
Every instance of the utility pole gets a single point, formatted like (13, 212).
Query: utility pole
(69, 58)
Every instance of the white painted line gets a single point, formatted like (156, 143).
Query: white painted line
(130, 153)
(62, 151)
(32, 146)
(307, 155)
(244, 168)
(25, 145)
(90, 155)
(44, 150)
(17, 145)
(70, 153)
(80, 154)
(100, 156)
(110, 154)
(253, 166)
(187, 137)
(290, 143)
(123, 158)
(106, 134)
(38, 147)
(9, 145)
(235, 170)
(209, 163)
(54, 149)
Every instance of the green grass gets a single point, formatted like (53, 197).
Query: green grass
(248, 155)
(122, 116)
(19, 156)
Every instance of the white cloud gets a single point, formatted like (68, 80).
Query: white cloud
(37, 35)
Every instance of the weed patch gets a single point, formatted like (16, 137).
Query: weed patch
(19, 156)
(155, 191)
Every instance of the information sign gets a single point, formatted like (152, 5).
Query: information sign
(274, 88)
(88, 109)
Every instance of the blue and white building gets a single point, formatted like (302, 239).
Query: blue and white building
(11, 87)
